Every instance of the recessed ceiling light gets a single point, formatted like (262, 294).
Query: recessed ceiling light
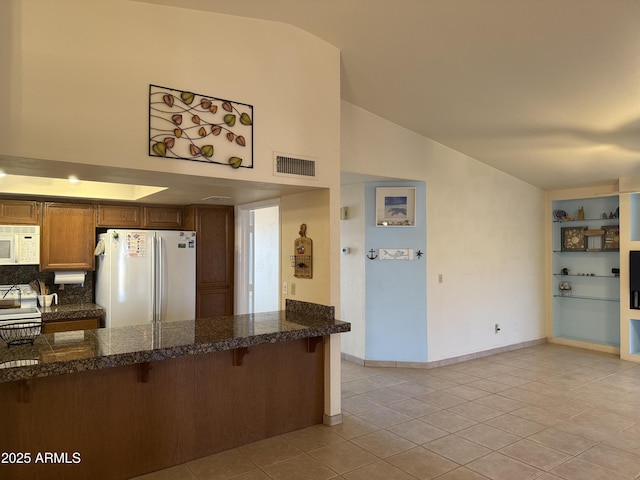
(73, 179)
(2, 174)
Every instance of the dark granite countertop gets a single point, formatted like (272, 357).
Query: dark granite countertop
(67, 352)
(71, 311)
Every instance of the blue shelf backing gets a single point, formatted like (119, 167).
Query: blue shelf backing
(634, 337)
(634, 218)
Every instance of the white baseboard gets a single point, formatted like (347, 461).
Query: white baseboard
(441, 363)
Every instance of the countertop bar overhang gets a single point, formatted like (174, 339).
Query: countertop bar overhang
(68, 352)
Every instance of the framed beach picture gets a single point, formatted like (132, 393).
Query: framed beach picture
(395, 206)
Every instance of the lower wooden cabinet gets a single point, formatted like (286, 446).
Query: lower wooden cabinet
(69, 325)
(213, 302)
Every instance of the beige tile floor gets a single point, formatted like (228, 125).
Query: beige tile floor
(545, 412)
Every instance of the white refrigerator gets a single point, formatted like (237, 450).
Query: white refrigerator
(146, 276)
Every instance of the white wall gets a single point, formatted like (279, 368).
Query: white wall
(485, 235)
(76, 78)
(75, 82)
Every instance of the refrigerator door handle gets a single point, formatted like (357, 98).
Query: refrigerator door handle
(153, 279)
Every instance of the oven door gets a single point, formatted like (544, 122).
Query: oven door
(7, 249)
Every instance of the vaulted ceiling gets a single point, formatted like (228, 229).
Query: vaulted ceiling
(545, 90)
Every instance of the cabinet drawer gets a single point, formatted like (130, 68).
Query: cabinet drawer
(71, 324)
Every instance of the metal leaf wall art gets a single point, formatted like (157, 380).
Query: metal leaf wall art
(201, 128)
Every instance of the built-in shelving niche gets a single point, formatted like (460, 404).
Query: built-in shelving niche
(590, 310)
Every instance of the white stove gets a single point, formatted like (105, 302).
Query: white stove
(18, 304)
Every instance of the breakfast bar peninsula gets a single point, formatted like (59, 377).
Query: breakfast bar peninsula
(120, 402)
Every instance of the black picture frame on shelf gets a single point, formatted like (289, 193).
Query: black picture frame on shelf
(573, 239)
(611, 238)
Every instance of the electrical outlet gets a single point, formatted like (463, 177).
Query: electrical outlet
(439, 278)
(497, 327)
(285, 288)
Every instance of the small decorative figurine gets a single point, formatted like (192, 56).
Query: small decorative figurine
(565, 288)
(581, 213)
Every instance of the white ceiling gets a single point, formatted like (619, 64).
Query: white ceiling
(545, 90)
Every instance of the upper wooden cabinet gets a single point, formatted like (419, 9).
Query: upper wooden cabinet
(134, 216)
(68, 237)
(162, 217)
(119, 216)
(19, 212)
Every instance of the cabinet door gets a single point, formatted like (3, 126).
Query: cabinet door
(214, 264)
(19, 212)
(122, 216)
(162, 217)
(68, 237)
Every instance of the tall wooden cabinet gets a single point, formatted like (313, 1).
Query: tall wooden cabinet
(68, 236)
(214, 226)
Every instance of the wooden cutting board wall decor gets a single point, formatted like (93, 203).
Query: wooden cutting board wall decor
(303, 253)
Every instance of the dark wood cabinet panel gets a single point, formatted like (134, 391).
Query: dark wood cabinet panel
(122, 216)
(120, 427)
(68, 237)
(132, 420)
(215, 247)
(162, 217)
(286, 393)
(215, 243)
(19, 212)
(212, 302)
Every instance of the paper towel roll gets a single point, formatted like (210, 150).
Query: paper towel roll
(69, 278)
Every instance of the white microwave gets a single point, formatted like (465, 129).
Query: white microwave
(19, 245)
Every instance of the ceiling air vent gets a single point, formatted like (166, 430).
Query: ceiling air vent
(286, 165)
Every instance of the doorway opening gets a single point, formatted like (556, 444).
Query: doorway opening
(258, 278)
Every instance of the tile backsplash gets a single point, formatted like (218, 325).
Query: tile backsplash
(10, 274)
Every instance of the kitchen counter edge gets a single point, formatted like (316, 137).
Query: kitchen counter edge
(296, 322)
